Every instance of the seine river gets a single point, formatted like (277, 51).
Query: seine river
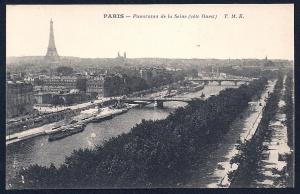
(39, 151)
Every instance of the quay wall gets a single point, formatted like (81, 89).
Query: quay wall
(47, 118)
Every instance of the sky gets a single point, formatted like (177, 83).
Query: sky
(82, 31)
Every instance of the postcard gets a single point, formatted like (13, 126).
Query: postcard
(150, 96)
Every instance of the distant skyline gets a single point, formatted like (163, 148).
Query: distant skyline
(82, 31)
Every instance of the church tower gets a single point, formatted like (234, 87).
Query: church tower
(52, 55)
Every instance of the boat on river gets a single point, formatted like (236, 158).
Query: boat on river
(121, 111)
(196, 88)
(101, 117)
(67, 131)
(54, 130)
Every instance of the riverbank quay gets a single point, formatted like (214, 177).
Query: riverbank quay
(268, 158)
(214, 173)
(52, 114)
(44, 130)
(49, 114)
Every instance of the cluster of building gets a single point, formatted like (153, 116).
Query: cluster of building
(149, 73)
(19, 98)
(26, 90)
(23, 91)
(266, 65)
(71, 89)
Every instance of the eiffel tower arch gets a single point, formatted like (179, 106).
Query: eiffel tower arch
(51, 55)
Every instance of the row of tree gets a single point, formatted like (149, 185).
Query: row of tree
(289, 107)
(250, 155)
(289, 112)
(123, 84)
(249, 72)
(115, 85)
(159, 153)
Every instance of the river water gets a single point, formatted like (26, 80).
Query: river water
(39, 151)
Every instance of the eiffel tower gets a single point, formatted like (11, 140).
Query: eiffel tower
(52, 55)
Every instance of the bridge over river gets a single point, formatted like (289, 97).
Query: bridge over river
(158, 101)
(206, 81)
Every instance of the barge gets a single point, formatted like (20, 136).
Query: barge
(66, 132)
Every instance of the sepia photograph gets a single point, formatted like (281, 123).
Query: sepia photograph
(149, 96)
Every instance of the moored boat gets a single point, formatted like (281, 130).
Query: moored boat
(121, 111)
(66, 132)
(101, 117)
(54, 130)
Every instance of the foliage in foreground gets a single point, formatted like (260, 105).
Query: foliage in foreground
(154, 153)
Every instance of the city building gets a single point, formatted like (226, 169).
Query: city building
(73, 97)
(63, 83)
(19, 99)
(60, 98)
(114, 85)
(43, 98)
(269, 65)
(15, 76)
(147, 75)
(158, 71)
(120, 60)
(94, 85)
(29, 79)
(123, 57)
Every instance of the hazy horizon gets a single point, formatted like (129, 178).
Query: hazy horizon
(81, 31)
(155, 58)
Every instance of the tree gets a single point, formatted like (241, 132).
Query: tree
(113, 85)
(57, 100)
(154, 153)
(64, 70)
(43, 71)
